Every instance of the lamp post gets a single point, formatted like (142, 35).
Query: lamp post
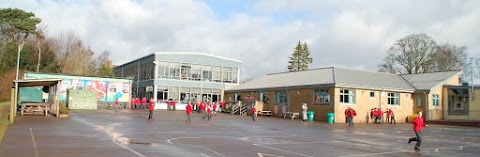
(18, 57)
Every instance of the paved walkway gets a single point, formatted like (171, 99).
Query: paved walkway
(127, 133)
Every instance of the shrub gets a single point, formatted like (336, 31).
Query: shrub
(63, 109)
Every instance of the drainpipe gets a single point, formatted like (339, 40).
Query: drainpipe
(427, 111)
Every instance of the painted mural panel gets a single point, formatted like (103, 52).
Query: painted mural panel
(106, 90)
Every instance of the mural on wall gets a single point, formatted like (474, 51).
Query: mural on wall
(106, 90)
(98, 86)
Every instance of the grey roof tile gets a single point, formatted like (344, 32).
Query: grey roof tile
(426, 81)
(349, 78)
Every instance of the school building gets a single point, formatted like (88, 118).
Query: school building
(180, 76)
(334, 89)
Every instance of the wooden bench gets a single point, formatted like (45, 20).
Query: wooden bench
(292, 115)
(34, 108)
(265, 113)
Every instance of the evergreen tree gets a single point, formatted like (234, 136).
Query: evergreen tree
(300, 58)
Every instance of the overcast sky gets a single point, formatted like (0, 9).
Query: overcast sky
(261, 33)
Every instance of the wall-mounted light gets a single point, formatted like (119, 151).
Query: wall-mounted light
(298, 92)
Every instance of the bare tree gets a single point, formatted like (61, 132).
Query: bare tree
(448, 57)
(74, 57)
(39, 40)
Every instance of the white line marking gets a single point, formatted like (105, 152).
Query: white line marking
(371, 154)
(125, 147)
(283, 150)
(112, 134)
(204, 155)
(170, 140)
(35, 149)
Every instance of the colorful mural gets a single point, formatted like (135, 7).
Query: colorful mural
(106, 90)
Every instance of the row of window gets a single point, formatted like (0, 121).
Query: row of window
(322, 96)
(183, 71)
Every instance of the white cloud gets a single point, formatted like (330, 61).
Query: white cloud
(339, 33)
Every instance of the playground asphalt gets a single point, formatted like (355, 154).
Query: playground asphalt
(127, 133)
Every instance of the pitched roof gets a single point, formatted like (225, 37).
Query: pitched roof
(289, 79)
(426, 81)
(349, 78)
(370, 80)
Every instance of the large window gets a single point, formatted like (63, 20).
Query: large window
(227, 75)
(347, 96)
(393, 98)
(186, 72)
(235, 75)
(322, 96)
(281, 98)
(175, 70)
(435, 100)
(196, 72)
(162, 70)
(207, 73)
(217, 74)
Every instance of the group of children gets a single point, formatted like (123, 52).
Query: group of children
(138, 103)
(207, 109)
(376, 115)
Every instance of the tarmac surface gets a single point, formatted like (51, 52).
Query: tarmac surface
(128, 133)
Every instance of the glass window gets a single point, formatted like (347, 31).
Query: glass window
(393, 99)
(196, 72)
(435, 100)
(186, 74)
(347, 96)
(419, 101)
(175, 70)
(113, 88)
(281, 98)
(227, 75)
(126, 89)
(322, 96)
(217, 74)
(372, 94)
(235, 75)
(162, 70)
(207, 73)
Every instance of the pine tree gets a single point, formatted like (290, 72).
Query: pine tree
(300, 58)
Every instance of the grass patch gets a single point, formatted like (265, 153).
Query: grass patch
(4, 110)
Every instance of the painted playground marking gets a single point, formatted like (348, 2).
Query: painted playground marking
(170, 140)
(114, 136)
(35, 149)
(282, 150)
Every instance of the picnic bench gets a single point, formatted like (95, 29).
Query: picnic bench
(291, 115)
(264, 113)
(34, 108)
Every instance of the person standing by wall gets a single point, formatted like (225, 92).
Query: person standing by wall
(392, 117)
(417, 128)
(350, 114)
(203, 107)
(387, 111)
(173, 103)
(304, 111)
(138, 101)
(151, 107)
(346, 114)
(189, 111)
(144, 103)
(254, 112)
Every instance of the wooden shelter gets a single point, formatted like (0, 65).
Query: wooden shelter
(50, 86)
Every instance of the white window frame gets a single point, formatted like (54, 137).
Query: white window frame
(349, 94)
(436, 100)
(393, 99)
